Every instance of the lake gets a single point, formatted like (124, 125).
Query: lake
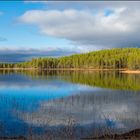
(68, 104)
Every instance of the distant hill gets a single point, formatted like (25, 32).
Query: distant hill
(18, 57)
(119, 58)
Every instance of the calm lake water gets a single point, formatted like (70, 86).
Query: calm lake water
(68, 104)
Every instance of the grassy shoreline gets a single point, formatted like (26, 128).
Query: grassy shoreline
(131, 71)
(127, 71)
(74, 69)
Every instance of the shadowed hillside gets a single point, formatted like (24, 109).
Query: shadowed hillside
(120, 58)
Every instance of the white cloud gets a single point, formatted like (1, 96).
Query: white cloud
(86, 27)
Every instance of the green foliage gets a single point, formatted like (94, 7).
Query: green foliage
(104, 59)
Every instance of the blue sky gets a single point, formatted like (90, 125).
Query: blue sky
(16, 36)
(64, 28)
(20, 35)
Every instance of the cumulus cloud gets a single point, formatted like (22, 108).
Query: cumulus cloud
(110, 27)
(85, 4)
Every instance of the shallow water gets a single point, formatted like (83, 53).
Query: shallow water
(70, 104)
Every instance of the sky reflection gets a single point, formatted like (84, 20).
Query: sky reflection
(52, 102)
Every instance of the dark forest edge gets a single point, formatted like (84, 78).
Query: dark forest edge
(118, 58)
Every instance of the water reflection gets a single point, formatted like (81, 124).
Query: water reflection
(86, 101)
(118, 111)
(103, 79)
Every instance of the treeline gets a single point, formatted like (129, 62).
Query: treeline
(104, 59)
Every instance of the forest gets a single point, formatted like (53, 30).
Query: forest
(117, 58)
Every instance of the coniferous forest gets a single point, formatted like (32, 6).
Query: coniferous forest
(120, 58)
